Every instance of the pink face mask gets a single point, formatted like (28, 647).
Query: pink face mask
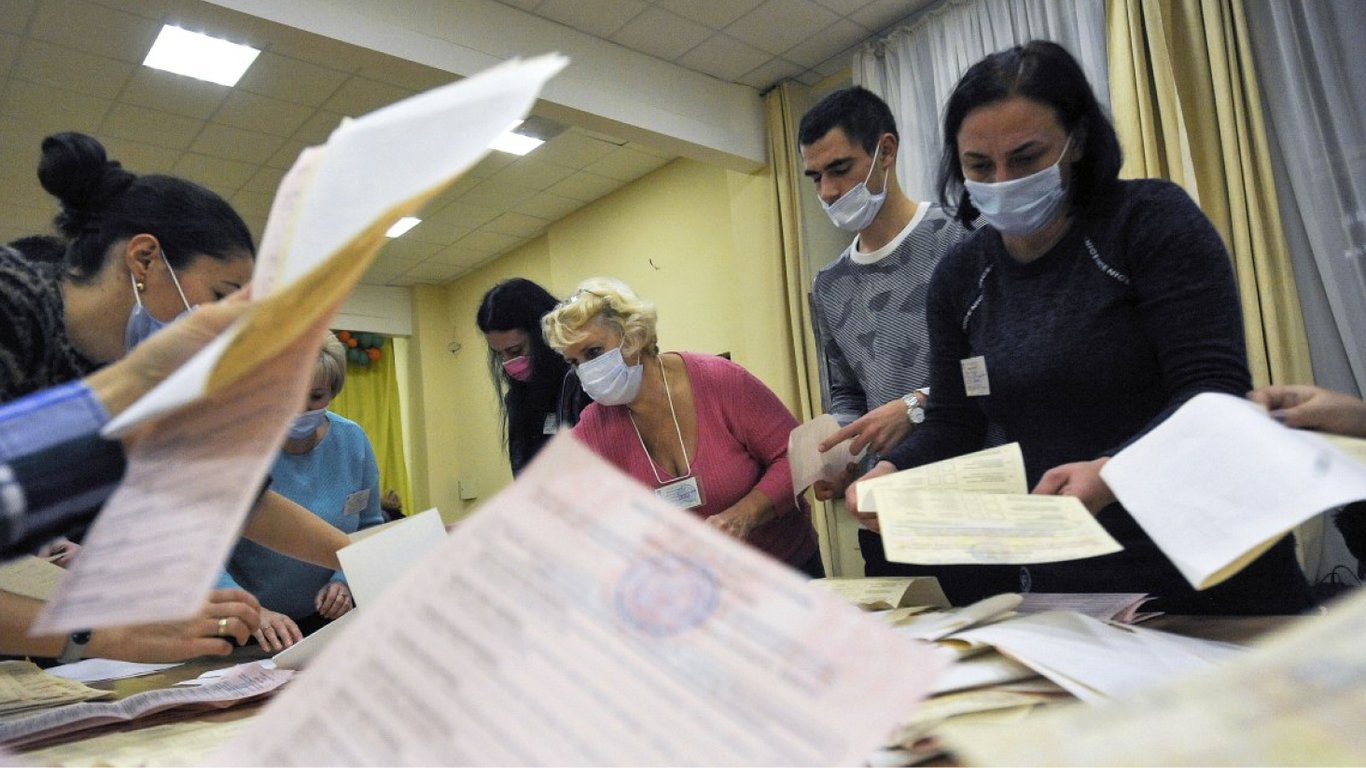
(518, 368)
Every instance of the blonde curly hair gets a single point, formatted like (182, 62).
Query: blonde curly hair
(607, 301)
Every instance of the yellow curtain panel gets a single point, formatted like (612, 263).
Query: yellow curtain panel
(370, 398)
(1187, 108)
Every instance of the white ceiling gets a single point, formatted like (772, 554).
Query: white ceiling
(657, 79)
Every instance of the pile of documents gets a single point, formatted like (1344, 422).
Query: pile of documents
(24, 687)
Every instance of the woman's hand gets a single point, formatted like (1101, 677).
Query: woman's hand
(333, 600)
(229, 616)
(277, 631)
(835, 487)
(866, 519)
(60, 551)
(1306, 407)
(1080, 479)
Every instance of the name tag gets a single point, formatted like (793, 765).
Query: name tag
(551, 426)
(975, 382)
(356, 503)
(685, 493)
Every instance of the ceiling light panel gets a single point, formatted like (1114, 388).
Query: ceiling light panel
(199, 56)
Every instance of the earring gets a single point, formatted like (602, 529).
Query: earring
(141, 286)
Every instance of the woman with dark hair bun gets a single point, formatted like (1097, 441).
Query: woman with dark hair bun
(1085, 313)
(141, 251)
(541, 395)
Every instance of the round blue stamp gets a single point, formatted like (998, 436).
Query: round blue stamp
(666, 594)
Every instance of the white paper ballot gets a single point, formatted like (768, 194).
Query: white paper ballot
(575, 619)
(1218, 483)
(808, 463)
(375, 562)
(949, 527)
(994, 470)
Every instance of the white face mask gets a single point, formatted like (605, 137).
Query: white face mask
(306, 423)
(141, 325)
(1021, 206)
(609, 380)
(856, 209)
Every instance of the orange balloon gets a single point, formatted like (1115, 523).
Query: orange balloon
(344, 335)
(352, 343)
(373, 352)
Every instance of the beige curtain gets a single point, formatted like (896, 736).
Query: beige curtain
(797, 277)
(1187, 108)
(1186, 104)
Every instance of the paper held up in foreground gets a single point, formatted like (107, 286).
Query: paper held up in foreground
(639, 636)
(1218, 483)
(326, 227)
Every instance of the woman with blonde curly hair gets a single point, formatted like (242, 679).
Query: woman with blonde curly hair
(698, 429)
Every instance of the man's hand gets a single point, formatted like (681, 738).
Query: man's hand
(878, 430)
(1080, 479)
(866, 519)
(277, 631)
(835, 487)
(1306, 407)
(60, 551)
(333, 600)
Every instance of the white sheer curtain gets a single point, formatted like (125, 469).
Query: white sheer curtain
(915, 68)
(1308, 60)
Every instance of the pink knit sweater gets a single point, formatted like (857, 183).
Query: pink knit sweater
(742, 430)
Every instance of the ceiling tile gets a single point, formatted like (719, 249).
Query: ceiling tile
(454, 191)
(405, 74)
(14, 15)
(236, 144)
(318, 127)
(550, 206)
(769, 73)
(778, 25)
(289, 151)
(716, 14)
(9, 51)
(723, 57)
(661, 34)
(525, 5)
(177, 94)
(253, 112)
(649, 150)
(844, 7)
(411, 250)
(627, 164)
(266, 180)
(359, 96)
(433, 274)
(62, 110)
(455, 253)
(585, 186)
(600, 18)
(437, 234)
(325, 52)
(139, 157)
(534, 173)
(517, 225)
(150, 126)
(808, 77)
(214, 171)
(836, 38)
(252, 205)
(464, 215)
(492, 163)
(574, 149)
(496, 193)
(62, 67)
(485, 242)
(292, 80)
(94, 29)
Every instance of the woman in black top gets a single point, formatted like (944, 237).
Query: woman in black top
(541, 395)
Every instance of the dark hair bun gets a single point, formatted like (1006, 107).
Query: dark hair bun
(76, 170)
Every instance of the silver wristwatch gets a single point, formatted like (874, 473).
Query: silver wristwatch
(915, 412)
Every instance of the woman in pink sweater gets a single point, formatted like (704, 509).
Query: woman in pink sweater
(698, 429)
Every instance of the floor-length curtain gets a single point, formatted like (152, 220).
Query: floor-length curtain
(371, 399)
(915, 68)
(1308, 61)
(1188, 108)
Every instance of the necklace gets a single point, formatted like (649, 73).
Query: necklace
(687, 465)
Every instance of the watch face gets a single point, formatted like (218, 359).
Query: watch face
(917, 415)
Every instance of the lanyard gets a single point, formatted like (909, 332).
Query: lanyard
(687, 465)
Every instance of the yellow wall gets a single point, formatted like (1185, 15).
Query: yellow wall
(699, 241)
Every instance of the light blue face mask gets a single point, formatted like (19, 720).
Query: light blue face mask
(306, 423)
(1021, 206)
(609, 380)
(141, 325)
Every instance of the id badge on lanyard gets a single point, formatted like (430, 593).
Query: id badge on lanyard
(684, 493)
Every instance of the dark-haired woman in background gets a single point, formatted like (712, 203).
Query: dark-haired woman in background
(1086, 313)
(142, 250)
(541, 396)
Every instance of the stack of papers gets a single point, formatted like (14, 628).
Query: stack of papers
(1120, 607)
(25, 687)
(887, 592)
(976, 509)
